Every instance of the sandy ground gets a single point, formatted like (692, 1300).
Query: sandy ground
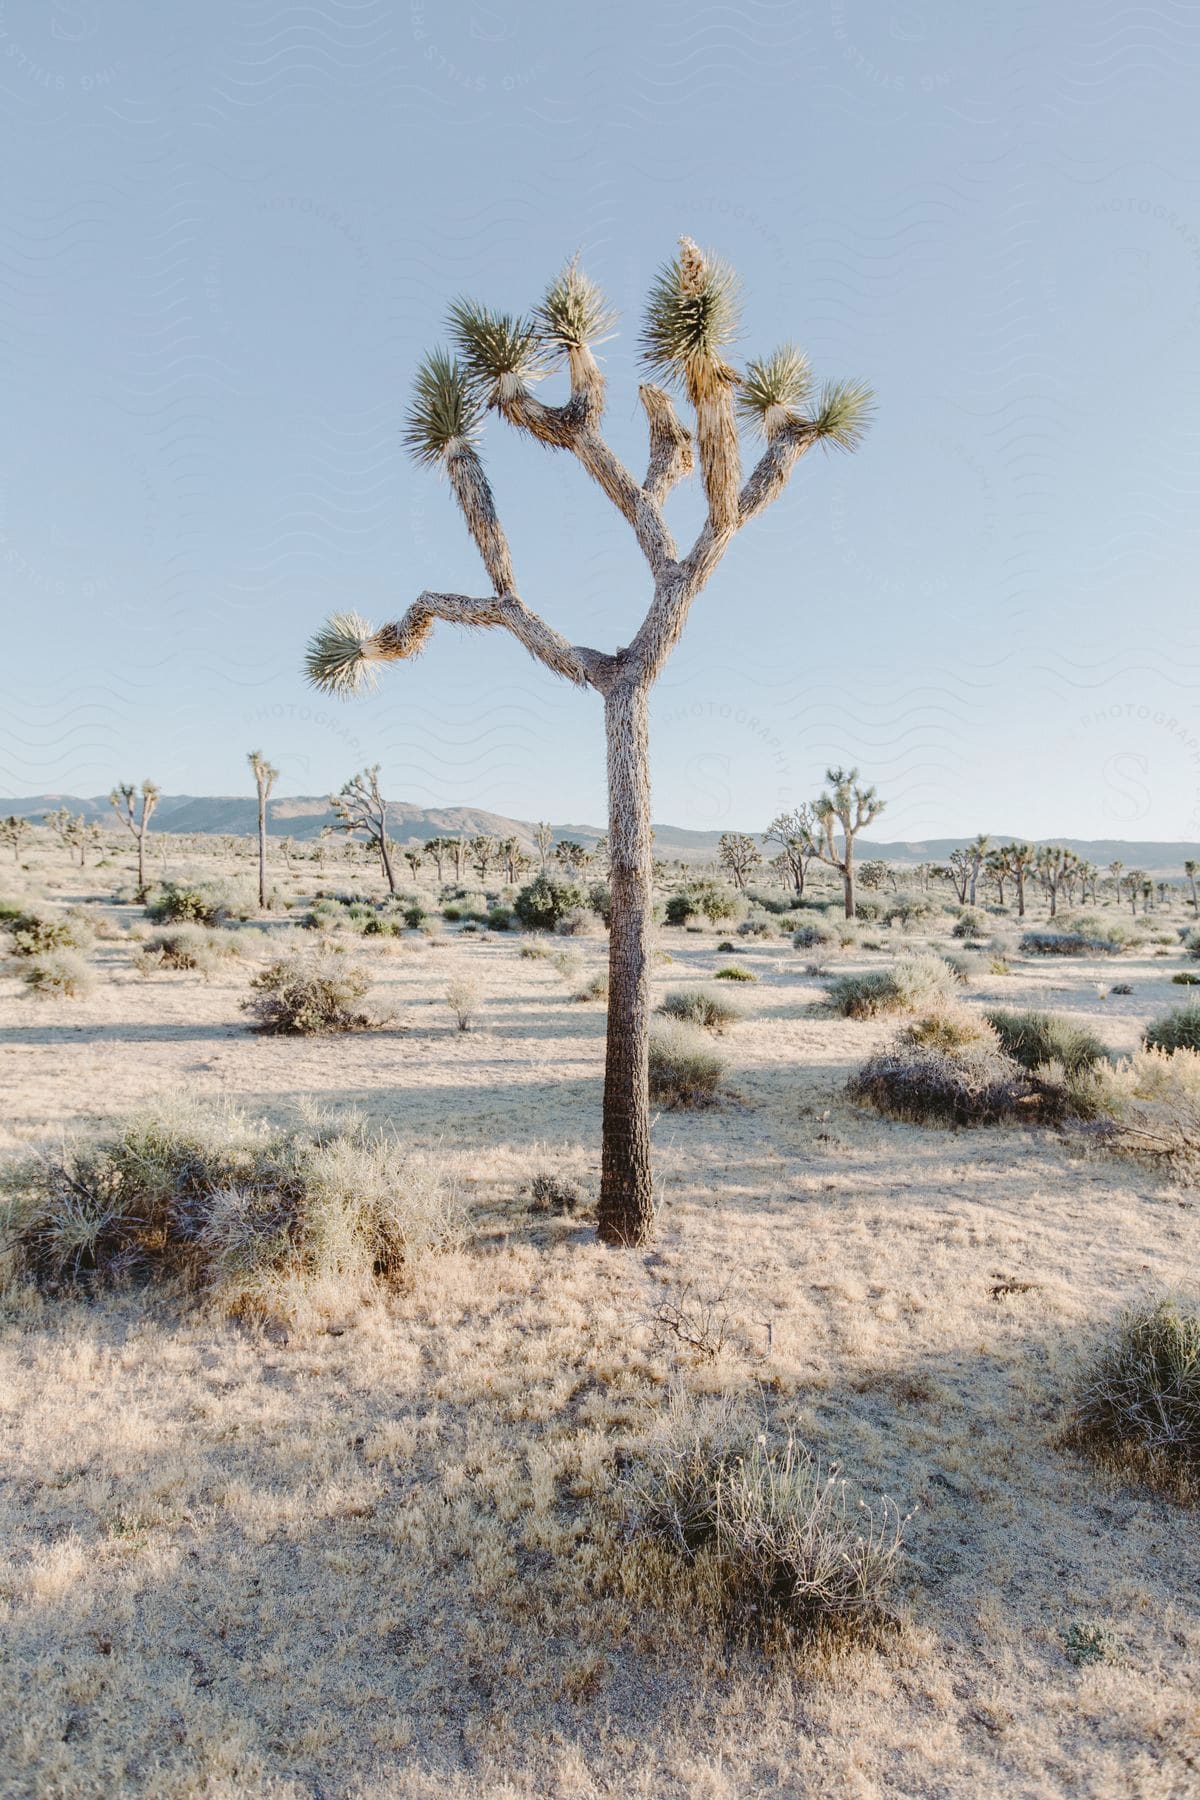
(385, 1557)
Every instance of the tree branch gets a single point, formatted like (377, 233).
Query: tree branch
(406, 636)
(671, 455)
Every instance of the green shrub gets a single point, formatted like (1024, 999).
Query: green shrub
(1036, 1038)
(685, 1070)
(756, 928)
(731, 972)
(258, 1217)
(500, 919)
(37, 932)
(547, 900)
(761, 1529)
(1176, 1030)
(814, 932)
(908, 909)
(1142, 1400)
(916, 983)
(1191, 944)
(703, 899)
(1068, 943)
(698, 1007)
(599, 899)
(301, 996)
(534, 950)
(595, 989)
(964, 966)
(971, 923)
(188, 903)
(1185, 978)
(57, 975)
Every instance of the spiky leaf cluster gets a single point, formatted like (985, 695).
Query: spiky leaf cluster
(338, 657)
(844, 413)
(691, 315)
(773, 387)
(573, 312)
(445, 411)
(496, 348)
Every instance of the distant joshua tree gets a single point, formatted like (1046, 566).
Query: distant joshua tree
(436, 848)
(136, 820)
(265, 778)
(739, 854)
(1054, 867)
(796, 834)
(414, 856)
(543, 837)
(360, 806)
(569, 856)
(1192, 870)
(484, 851)
(691, 321)
(511, 851)
(14, 831)
(846, 806)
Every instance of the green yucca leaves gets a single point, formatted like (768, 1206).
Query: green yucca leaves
(446, 409)
(844, 413)
(773, 387)
(573, 312)
(337, 659)
(691, 315)
(496, 348)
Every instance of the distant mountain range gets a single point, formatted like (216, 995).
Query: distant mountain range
(306, 816)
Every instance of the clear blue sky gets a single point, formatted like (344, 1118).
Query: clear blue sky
(229, 230)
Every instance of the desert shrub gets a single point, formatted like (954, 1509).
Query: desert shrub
(812, 933)
(301, 996)
(765, 1533)
(534, 950)
(1101, 926)
(703, 899)
(1036, 1038)
(698, 1007)
(685, 1070)
(1191, 944)
(964, 966)
(916, 983)
(971, 923)
(948, 1028)
(1156, 1120)
(255, 1216)
(189, 903)
(908, 909)
(37, 932)
(1185, 978)
(1177, 1030)
(595, 989)
(731, 972)
(1121, 987)
(1141, 1401)
(387, 924)
(462, 997)
(756, 928)
(57, 975)
(1068, 943)
(580, 921)
(726, 945)
(869, 910)
(500, 919)
(186, 947)
(549, 1193)
(969, 1084)
(599, 899)
(547, 900)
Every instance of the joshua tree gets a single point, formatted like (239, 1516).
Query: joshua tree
(998, 867)
(1135, 881)
(1021, 859)
(739, 854)
(124, 801)
(437, 848)
(265, 778)
(847, 805)
(796, 834)
(361, 807)
(958, 871)
(14, 831)
(1192, 870)
(691, 320)
(873, 875)
(484, 851)
(543, 837)
(414, 856)
(1054, 866)
(456, 850)
(510, 850)
(569, 856)
(1116, 870)
(62, 823)
(975, 856)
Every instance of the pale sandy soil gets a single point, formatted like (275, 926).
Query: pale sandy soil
(386, 1560)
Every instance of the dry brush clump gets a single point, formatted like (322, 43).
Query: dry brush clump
(685, 1069)
(757, 1531)
(1092, 941)
(195, 903)
(36, 931)
(303, 995)
(1176, 1030)
(1037, 1038)
(714, 1012)
(192, 948)
(256, 1217)
(463, 998)
(1140, 1405)
(57, 975)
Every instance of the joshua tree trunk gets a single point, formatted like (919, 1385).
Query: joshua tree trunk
(1020, 893)
(848, 882)
(262, 851)
(626, 1209)
(385, 856)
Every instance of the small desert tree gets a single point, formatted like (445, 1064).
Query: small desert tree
(845, 806)
(976, 854)
(543, 837)
(135, 812)
(691, 323)
(484, 851)
(569, 856)
(265, 778)
(14, 831)
(414, 856)
(510, 850)
(62, 823)
(739, 854)
(1192, 871)
(1054, 866)
(436, 848)
(796, 834)
(361, 807)
(1022, 859)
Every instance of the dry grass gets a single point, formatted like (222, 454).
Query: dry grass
(385, 1551)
